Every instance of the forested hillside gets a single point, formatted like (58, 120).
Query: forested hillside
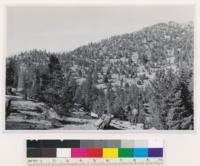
(150, 70)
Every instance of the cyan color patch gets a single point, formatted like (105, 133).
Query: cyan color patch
(140, 152)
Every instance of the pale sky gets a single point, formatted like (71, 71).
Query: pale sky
(59, 29)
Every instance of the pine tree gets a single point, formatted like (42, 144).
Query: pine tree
(173, 108)
(11, 73)
(162, 86)
(173, 99)
(53, 82)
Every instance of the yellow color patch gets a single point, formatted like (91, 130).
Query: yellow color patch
(110, 152)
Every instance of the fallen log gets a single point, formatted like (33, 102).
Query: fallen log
(125, 125)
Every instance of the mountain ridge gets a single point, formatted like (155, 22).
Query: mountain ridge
(147, 68)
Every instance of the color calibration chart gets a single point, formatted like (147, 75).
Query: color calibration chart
(95, 152)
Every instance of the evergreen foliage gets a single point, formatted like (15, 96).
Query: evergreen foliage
(150, 70)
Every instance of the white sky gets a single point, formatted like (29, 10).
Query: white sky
(61, 29)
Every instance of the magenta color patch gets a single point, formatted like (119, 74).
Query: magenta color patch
(79, 152)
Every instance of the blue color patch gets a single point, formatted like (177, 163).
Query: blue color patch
(140, 152)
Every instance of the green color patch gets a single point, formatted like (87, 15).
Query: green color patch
(125, 152)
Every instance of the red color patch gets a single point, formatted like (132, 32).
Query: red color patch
(94, 152)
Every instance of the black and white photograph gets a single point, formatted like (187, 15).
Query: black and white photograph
(99, 67)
